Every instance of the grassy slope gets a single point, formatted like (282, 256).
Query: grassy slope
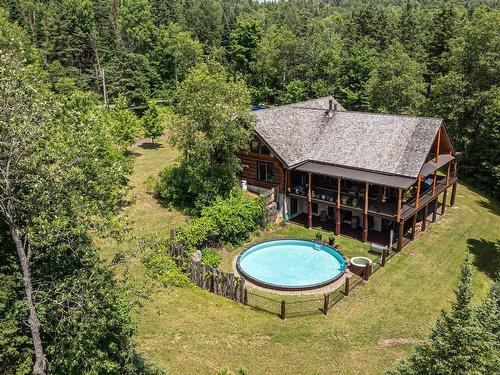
(191, 331)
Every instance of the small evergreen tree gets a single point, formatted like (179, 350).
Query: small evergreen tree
(153, 125)
(458, 343)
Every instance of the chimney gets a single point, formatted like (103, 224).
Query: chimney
(331, 108)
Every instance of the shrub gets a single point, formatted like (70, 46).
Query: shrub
(162, 268)
(211, 258)
(230, 220)
(171, 187)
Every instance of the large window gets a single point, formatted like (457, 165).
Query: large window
(265, 172)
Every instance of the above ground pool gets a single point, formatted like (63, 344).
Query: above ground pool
(291, 264)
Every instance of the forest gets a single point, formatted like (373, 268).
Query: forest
(430, 58)
(80, 77)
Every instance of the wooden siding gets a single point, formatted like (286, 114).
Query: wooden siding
(249, 163)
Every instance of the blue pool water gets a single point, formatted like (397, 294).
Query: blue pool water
(291, 264)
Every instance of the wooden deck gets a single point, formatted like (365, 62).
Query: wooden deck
(409, 209)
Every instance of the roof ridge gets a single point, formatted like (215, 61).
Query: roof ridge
(393, 115)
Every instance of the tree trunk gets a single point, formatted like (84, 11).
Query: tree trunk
(40, 366)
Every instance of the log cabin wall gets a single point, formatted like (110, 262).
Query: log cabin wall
(250, 161)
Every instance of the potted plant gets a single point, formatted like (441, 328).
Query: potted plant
(407, 196)
(331, 239)
(319, 236)
(344, 199)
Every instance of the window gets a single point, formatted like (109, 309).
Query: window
(265, 150)
(254, 147)
(265, 172)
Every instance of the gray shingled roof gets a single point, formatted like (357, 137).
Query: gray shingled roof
(381, 143)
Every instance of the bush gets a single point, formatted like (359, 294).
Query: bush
(211, 258)
(171, 187)
(162, 268)
(230, 220)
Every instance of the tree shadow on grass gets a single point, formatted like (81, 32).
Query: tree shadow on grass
(490, 205)
(150, 145)
(487, 256)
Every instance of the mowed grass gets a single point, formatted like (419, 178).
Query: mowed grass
(191, 331)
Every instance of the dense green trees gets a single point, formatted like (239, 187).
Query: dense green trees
(63, 174)
(211, 125)
(64, 61)
(427, 58)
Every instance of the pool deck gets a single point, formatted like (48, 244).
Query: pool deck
(320, 290)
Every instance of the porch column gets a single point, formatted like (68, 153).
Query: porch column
(398, 212)
(417, 199)
(401, 229)
(289, 180)
(453, 194)
(435, 209)
(434, 184)
(364, 235)
(424, 222)
(443, 207)
(337, 209)
(413, 226)
(309, 203)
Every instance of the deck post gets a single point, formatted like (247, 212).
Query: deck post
(364, 235)
(337, 209)
(325, 303)
(443, 206)
(309, 202)
(337, 221)
(400, 230)
(346, 286)
(245, 296)
(383, 257)
(417, 199)
(283, 311)
(448, 173)
(413, 226)
(434, 184)
(424, 221)
(398, 212)
(453, 194)
(434, 209)
(289, 180)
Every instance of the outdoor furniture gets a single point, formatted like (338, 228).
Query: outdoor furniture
(377, 248)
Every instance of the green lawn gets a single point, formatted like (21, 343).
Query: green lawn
(191, 331)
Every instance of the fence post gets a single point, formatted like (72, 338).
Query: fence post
(368, 269)
(282, 315)
(242, 290)
(325, 303)
(346, 289)
(384, 256)
(245, 296)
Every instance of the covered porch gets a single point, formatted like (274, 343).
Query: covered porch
(339, 200)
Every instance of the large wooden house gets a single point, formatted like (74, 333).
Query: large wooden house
(360, 174)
